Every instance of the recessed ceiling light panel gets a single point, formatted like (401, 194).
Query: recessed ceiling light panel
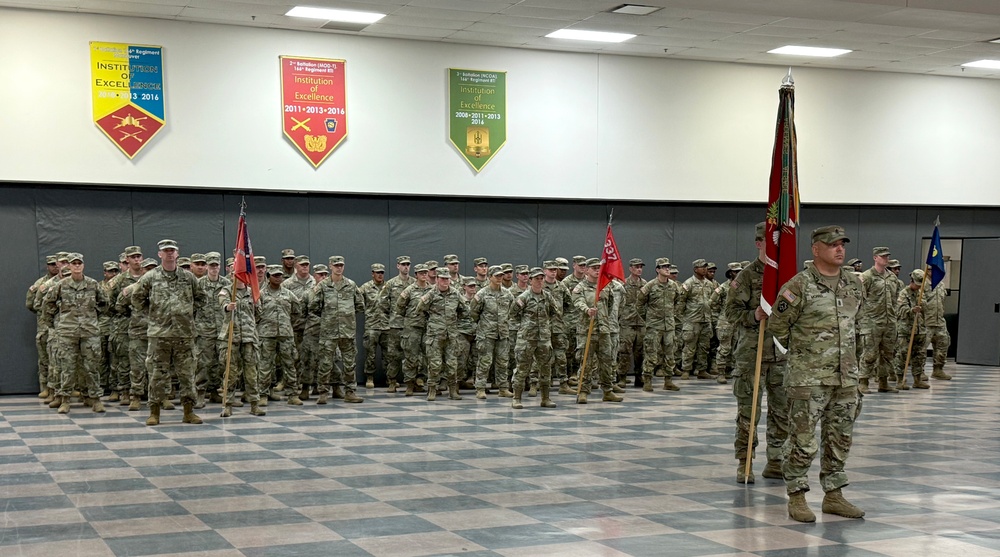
(598, 36)
(635, 9)
(809, 51)
(328, 14)
(988, 64)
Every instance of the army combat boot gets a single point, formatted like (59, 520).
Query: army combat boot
(294, 400)
(409, 388)
(669, 385)
(564, 388)
(304, 394)
(189, 416)
(133, 405)
(154, 414)
(56, 402)
(546, 401)
(256, 410)
(863, 386)
(515, 402)
(920, 383)
(901, 384)
(885, 387)
(98, 406)
(611, 396)
(939, 373)
(453, 392)
(773, 470)
(798, 509)
(351, 396)
(834, 503)
(432, 392)
(741, 473)
(63, 404)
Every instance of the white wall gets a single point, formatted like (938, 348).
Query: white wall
(579, 126)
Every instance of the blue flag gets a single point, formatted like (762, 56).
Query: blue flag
(935, 258)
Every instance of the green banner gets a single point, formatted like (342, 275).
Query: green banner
(478, 117)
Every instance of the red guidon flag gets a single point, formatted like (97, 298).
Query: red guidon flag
(611, 263)
(243, 267)
(782, 218)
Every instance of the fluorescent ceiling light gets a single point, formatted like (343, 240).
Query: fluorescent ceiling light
(347, 16)
(599, 36)
(988, 64)
(635, 9)
(809, 51)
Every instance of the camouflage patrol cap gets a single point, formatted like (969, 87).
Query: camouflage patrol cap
(230, 261)
(662, 262)
(75, 256)
(496, 270)
(854, 261)
(563, 263)
(550, 264)
(593, 262)
(636, 262)
(111, 266)
(378, 268)
(894, 264)
(431, 265)
(917, 276)
(579, 260)
(479, 261)
(149, 262)
(470, 281)
(735, 266)
(66, 271)
(673, 269)
(535, 272)
(133, 250)
(62, 257)
(51, 260)
(699, 263)
(443, 273)
(122, 258)
(260, 261)
(163, 245)
(302, 259)
(335, 260)
(275, 270)
(745, 263)
(288, 253)
(402, 259)
(184, 261)
(758, 231)
(712, 265)
(198, 258)
(521, 269)
(213, 258)
(320, 269)
(829, 234)
(420, 268)
(881, 250)
(451, 258)
(508, 268)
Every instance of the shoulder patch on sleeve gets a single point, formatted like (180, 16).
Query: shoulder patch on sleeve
(787, 294)
(733, 284)
(782, 306)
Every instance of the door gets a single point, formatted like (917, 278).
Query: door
(979, 304)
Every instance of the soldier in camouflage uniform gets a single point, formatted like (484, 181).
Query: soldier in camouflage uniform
(694, 307)
(309, 353)
(631, 324)
(937, 330)
(387, 302)
(412, 337)
(138, 323)
(288, 260)
(601, 359)
(467, 337)
(376, 322)
(521, 271)
(560, 330)
(481, 269)
(209, 319)
(744, 312)
(723, 361)
(441, 308)
(300, 283)
(243, 354)
(656, 301)
(535, 311)
(108, 383)
(278, 306)
(571, 317)
(41, 332)
(41, 338)
(490, 309)
(170, 295)
(118, 333)
(909, 306)
(508, 275)
(815, 317)
(336, 302)
(878, 322)
(79, 301)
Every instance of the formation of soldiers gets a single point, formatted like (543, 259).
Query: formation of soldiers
(160, 331)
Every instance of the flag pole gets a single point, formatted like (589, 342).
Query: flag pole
(913, 329)
(590, 328)
(753, 403)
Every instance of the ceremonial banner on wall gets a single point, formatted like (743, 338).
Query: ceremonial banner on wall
(313, 105)
(127, 90)
(478, 114)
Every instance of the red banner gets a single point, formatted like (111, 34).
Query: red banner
(313, 105)
(611, 263)
(782, 219)
(243, 266)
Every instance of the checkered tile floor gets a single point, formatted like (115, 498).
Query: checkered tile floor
(399, 476)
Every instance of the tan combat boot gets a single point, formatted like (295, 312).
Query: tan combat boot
(863, 386)
(189, 416)
(647, 385)
(56, 402)
(154, 414)
(582, 397)
(409, 388)
(546, 401)
(227, 411)
(351, 396)
(134, 403)
(741, 473)
(392, 386)
(901, 384)
(480, 394)
(610, 396)
(533, 391)
(453, 392)
(370, 382)
(199, 401)
(773, 470)
(432, 393)
(920, 383)
(798, 509)
(63, 404)
(256, 410)
(98, 406)
(504, 392)
(939, 373)
(834, 503)
(304, 394)
(294, 400)
(515, 402)
(44, 393)
(669, 385)
(885, 387)
(565, 389)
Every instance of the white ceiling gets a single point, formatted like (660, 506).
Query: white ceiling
(911, 36)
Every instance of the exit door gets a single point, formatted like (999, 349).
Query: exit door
(979, 304)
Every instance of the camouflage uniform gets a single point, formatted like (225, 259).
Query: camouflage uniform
(561, 331)
(41, 332)
(878, 323)
(601, 359)
(535, 315)
(376, 336)
(387, 302)
(442, 311)
(170, 299)
(632, 328)
(309, 353)
(50, 347)
(118, 339)
(937, 331)
(490, 309)
(817, 323)
(301, 288)
(571, 318)
(244, 354)
(905, 302)
(278, 306)
(741, 306)
(337, 304)
(657, 301)
(138, 341)
(694, 307)
(512, 327)
(79, 305)
(723, 360)
(209, 321)
(412, 337)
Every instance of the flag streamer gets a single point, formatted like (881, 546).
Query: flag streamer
(243, 267)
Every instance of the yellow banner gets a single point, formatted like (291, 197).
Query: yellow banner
(127, 93)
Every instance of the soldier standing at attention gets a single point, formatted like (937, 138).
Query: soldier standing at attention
(300, 283)
(630, 321)
(743, 311)
(534, 310)
(937, 331)
(908, 308)
(137, 324)
(442, 306)
(309, 353)
(571, 317)
(376, 322)
(209, 320)
(288, 260)
(79, 301)
(560, 331)
(694, 307)
(656, 301)
(41, 332)
(878, 322)
(600, 361)
(490, 309)
(244, 355)
(277, 342)
(815, 317)
(199, 265)
(481, 268)
(336, 302)
(412, 337)
(170, 295)
(723, 361)
(467, 338)
(508, 275)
